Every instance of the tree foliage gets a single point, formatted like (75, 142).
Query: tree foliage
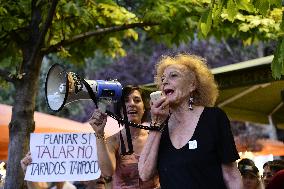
(175, 22)
(76, 30)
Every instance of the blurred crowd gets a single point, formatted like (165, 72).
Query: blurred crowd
(272, 177)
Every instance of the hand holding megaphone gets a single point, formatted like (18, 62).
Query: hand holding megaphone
(98, 122)
(71, 83)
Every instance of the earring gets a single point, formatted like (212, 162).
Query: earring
(190, 103)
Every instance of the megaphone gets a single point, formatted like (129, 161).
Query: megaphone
(63, 87)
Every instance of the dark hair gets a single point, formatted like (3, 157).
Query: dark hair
(246, 161)
(129, 89)
(249, 169)
(266, 164)
(276, 165)
(247, 166)
(126, 91)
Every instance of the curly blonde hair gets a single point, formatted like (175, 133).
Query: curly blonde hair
(206, 91)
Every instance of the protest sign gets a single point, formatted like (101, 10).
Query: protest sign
(63, 157)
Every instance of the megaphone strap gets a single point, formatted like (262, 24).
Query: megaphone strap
(122, 145)
(127, 130)
(139, 126)
(91, 92)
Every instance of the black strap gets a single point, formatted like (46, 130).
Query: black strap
(122, 145)
(91, 92)
(131, 124)
(127, 130)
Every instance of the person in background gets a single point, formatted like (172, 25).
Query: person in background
(245, 161)
(277, 181)
(250, 174)
(61, 185)
(196, 148)
(91, 184)
(97, 184)
(123, 168)
(270, 168)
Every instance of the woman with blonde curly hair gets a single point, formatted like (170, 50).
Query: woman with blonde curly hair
(196, 148)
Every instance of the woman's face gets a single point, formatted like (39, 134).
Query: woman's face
(267, 175)
(250, 181)
(134, 107)
(176, 84)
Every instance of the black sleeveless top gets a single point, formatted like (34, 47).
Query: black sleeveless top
(197, 165)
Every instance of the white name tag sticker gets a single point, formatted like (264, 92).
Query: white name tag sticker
(192, 144)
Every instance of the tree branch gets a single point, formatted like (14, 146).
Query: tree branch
(101, 31)
(6, 75)
(44, 30)
(48, 21)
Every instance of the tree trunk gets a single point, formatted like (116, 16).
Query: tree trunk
(22, 122)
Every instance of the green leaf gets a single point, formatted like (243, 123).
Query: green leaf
(206, 22)
(282, 23)
(3, 11)
(276, 3)
(232, 10)
(262, 6)
(216, 12)
(277, 65)
(245, 5)
(247, 41)
(200, 9)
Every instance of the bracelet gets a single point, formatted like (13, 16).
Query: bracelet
(100, 136)
(155, 124)
(107, 179)
(160, 125)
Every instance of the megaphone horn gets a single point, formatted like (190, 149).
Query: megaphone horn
(63, 87)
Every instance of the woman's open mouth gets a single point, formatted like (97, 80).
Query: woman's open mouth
(132, 112)
(168, 91)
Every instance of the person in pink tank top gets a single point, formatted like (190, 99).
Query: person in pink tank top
(122, 170)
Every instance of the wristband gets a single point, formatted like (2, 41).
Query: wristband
(107, 179)
(160, 126)
(100, 136)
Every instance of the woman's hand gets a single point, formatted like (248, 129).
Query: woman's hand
(27, 160)
(160, 110)
(98, 121)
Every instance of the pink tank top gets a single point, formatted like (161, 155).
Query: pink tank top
(126, 175)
